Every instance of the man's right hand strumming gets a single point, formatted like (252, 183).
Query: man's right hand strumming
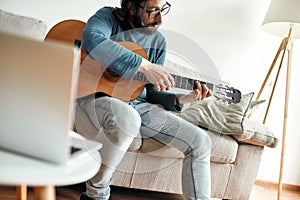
(157, 75)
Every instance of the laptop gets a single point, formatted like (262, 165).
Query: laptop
(37, 86)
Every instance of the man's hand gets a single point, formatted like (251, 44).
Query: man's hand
(200, 93)
(157, 75)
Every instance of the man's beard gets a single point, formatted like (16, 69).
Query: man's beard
(148, 28)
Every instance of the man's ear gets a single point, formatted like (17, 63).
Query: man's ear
(131, 8)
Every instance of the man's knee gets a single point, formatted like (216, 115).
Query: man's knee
(110, 116)
(126, 118)
(120, 126)
(202, 143)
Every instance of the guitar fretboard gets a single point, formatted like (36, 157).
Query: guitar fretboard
(180, 82)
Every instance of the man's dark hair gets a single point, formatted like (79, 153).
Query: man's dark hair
(123, 14)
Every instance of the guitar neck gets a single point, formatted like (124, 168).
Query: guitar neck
(180, 82)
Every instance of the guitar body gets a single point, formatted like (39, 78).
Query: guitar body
(67, 32)
(122, 89)
(94, 78)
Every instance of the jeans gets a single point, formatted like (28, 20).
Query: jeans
(119, 122)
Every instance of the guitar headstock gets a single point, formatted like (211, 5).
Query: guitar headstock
(228, 94)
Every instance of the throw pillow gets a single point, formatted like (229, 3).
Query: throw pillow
(218, 116)
(254, 105)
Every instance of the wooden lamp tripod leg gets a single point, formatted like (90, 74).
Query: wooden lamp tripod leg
(282, 47)
(286, 104)
(286, 45)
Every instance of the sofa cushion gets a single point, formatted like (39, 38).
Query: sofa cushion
(257, 134)
(224, 148)
(22, 26)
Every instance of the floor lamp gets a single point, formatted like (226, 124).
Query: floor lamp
(282, 19)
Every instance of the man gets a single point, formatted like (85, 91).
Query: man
(119, 122)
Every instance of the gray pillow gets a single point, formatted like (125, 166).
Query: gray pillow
(218, 116)
(231, 119)
(254, 105)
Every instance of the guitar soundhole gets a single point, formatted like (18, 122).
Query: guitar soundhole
(112, 73)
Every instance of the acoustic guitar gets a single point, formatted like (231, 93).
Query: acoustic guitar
(94, 78)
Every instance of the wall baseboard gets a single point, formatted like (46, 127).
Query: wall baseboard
(274, 185)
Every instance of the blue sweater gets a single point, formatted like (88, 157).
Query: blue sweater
(99, 38)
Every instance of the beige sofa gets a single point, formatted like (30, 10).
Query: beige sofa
(150, 165)
(22, 26)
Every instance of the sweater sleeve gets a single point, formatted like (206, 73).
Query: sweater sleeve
(168, 100)
(97, 43)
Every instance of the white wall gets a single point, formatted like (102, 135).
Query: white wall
(229, 31)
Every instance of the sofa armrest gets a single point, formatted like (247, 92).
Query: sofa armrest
(258, 134)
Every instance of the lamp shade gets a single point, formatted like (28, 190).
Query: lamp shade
(283, 14)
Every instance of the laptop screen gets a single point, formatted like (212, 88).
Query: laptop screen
(37, 85)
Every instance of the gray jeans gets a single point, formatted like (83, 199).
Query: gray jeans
(119, 122)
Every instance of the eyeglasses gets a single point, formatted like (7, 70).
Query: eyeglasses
(154, 13)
